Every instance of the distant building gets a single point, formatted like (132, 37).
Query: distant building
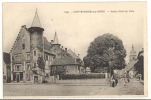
(29, 46)
(6, 68)
(88, 70)
(132, 60)
(133, 54)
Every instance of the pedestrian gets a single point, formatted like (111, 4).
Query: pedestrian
(116, 80)
(128, 80)
(113, 81)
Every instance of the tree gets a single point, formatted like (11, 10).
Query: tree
(60, 70)
(105, 51)
(41, 65)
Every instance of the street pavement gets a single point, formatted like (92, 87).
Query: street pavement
(48, 90)
(134, 87)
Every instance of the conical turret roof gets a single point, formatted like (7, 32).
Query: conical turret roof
(56, 41)
(36, 21)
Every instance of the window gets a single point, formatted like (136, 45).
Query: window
(34, 64)
(23, 46)
(51, 58)
(46, 57)
(55, 50)
(19, 57)
(28, 56)
(14, 68)
(34, 53)
(16, 57)
(17, 67)
(28, 77)
(28, 67)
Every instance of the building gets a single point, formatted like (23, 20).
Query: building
(133, 54)
(132, 60)
(32, 54)
(69, 61)
(6, 67)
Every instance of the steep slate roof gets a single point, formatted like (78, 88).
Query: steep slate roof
(64, 60)
(56, 41)
(73, 54)
(47, 46)
(36, 21)
(6, 58)
(130, 65)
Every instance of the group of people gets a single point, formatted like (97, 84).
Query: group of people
(114, 81)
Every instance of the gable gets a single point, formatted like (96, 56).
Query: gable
(22, 38)
(73, 54)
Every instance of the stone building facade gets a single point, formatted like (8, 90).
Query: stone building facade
(30, 45)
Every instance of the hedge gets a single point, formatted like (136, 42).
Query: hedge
(82, 76)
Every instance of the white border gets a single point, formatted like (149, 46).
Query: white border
(148, 31)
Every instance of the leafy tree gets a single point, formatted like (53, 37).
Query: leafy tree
(41, 63)
(60, 70)
(105, 51)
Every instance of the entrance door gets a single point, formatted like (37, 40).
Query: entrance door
(18, 77)
(35, 79)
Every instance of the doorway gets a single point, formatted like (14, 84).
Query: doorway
(35, 79)
(17, 77)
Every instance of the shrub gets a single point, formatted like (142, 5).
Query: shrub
(83, 76)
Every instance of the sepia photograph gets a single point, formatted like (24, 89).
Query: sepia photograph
(74, 49)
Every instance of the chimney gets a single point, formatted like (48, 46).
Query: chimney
(65, 49)
(51, 41)
(23, 26)
(61, 48)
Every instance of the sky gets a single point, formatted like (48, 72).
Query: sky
(77, 30)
